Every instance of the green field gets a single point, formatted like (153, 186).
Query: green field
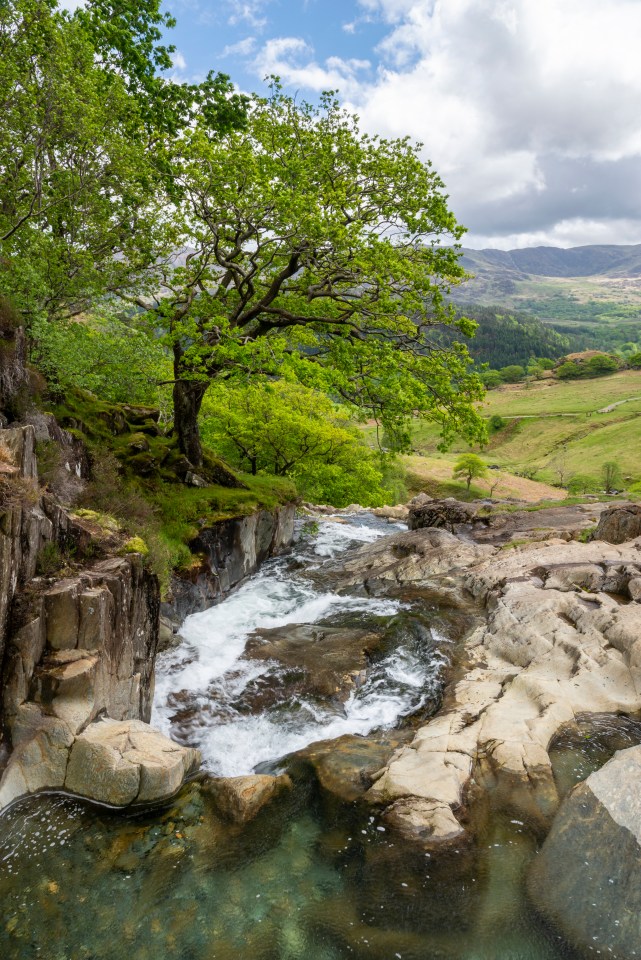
(555, 429)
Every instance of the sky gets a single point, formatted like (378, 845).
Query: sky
(530, 110)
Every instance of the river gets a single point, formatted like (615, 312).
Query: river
(309, 879)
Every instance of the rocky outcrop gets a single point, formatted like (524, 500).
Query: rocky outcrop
(619, 523)
(450, 514)
(586, 880)
(76, 650)
(232, 550)
(553, 640)
(110, 762)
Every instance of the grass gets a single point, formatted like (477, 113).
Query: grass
(540, 439)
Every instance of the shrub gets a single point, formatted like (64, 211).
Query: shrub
(497, 422)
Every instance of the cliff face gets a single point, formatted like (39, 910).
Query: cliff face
(232, 550)
(77, 655)
(73, 650)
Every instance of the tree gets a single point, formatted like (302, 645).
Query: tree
(469, 467)
(611, 476)
(83, 165)
(601, 364)
(288, 430)
(315, 251)
(570, 370)
(634, 361)
(513, 373)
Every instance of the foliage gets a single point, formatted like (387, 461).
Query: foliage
(596, 366)
(289, 430)
(512, 373)
(582, 484)
(491, 379)
(469, 467)
(611, 476)
(506, 337)
(569, 371)
(497, 422)
(104, 355)
(84, 171)
(634, 361)
(315, 254)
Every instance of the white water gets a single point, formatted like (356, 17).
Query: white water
(206, 675)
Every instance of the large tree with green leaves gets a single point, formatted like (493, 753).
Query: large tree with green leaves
(314, 251)
(85, 117)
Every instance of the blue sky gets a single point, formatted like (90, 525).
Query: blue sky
(529, 109)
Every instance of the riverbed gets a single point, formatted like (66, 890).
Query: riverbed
(308, 879)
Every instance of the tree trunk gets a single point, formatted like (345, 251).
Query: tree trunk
(188, 397)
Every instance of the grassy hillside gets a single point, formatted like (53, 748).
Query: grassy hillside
(553, 429)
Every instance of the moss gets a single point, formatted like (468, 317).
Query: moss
(139, 476)
(136, 545)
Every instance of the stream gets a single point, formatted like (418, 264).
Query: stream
(308, 879)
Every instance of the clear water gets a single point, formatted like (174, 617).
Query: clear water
(307, 880)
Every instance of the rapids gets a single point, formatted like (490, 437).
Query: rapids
(200, 686)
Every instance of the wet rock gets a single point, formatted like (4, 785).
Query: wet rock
(346, 767)
(416, 557)
(427, 824)
(586, 880)
(619, 523)
(328, 661)
(242, 798)
(120, 763)
(231, 550)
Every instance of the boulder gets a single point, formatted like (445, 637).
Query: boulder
(120, 763)
(242, 798)
(586, 880)
(619, 523)
(321, 661)
(448, 514)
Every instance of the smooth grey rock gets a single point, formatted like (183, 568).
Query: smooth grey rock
(586, 880)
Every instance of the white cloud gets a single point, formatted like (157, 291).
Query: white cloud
(242, 48)
(503, 93)
(179, 61)
(291, 58)
(247, 11)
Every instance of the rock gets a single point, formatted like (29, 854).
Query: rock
(232, 550)
(242, 798)
(415, 557)
(544, 652)
(428, 825)
(619, 523)
(448, 513)
(586, 880)
(326, 661)
(346, 767)
(120, 763)
(634, 588)
(400, 513)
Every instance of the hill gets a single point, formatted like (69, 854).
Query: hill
(591, 294)
(508, 336)
(552, 430)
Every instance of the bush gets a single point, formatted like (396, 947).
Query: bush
(570, 371)
(635, 361)
(497, 422)
(512, 373)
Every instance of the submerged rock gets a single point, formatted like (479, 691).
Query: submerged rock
(242, 798)
(326, 661)
(586, 880)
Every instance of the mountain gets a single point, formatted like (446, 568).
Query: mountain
(588, 261)
(590, 294)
